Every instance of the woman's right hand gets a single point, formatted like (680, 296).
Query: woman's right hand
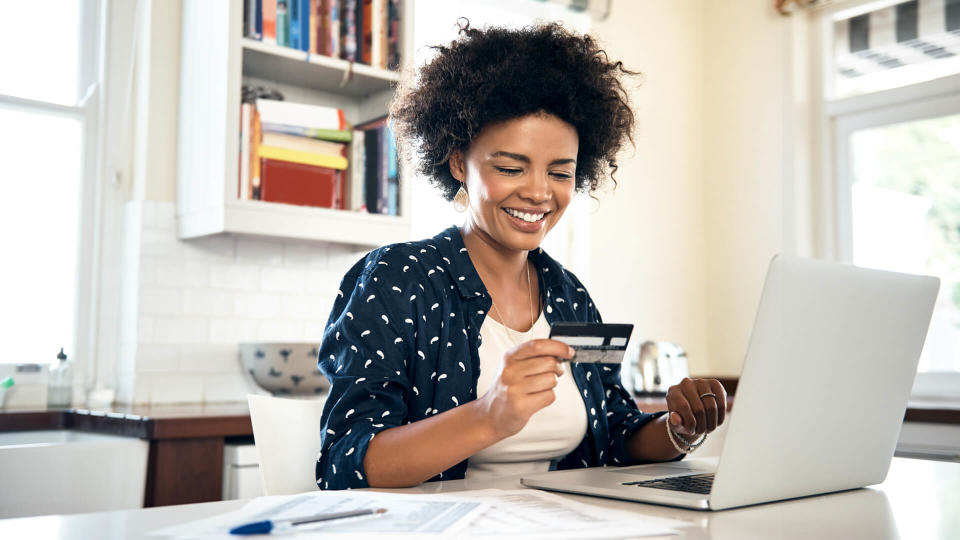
(525, 384)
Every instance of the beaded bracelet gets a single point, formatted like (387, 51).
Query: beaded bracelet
(679, 443)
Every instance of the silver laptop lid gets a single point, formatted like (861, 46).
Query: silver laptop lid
(834, 349)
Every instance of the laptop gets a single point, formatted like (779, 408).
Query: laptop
(821, 397)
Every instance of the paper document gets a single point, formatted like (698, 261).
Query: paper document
(533, 514)
(408, 516)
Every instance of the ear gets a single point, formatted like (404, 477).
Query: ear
(457, 165)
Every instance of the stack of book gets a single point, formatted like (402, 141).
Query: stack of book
(364, 31)
(296, 153)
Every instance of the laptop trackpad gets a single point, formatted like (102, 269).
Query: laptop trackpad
(676, 468)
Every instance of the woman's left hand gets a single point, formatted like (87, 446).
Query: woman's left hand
(696, 406)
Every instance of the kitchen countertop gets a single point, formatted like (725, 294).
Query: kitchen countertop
(142, 421)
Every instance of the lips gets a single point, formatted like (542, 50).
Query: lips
(527, 214)
(521, 224)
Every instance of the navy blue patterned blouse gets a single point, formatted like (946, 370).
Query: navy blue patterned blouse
(402, 344)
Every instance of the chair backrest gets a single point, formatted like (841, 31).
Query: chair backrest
(287, 434)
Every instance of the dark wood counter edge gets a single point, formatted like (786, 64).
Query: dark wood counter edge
(934, 415)
(143, 427)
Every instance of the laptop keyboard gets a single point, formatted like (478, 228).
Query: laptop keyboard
(698, 483)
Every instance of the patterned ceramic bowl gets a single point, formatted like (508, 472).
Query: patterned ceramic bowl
(284, 368)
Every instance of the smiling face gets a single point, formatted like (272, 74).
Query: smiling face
(520, 176)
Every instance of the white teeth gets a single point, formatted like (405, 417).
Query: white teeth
(530, 218)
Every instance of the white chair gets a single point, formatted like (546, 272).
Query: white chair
(287, 434)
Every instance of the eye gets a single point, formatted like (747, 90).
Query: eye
(507, 171)
(563, 176)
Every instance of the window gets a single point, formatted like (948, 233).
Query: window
(48, 109)
(893, 104)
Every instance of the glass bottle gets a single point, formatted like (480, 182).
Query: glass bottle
(60, 392)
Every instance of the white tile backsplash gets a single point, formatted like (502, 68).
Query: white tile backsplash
(161, 301)
(302, 255)
(210, 358)
(257, 251)
(287, 280)
(158, 358)
(226, 387)
(176, 388)
(280, 330)
(191, 302)
(210, 248)
(144, 329)
(208, 303)
(180, 273)
(234, 276)
(257, 305)
(173, 330)
(232, 330)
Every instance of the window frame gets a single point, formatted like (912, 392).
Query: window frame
(839, 118)
(87, 109)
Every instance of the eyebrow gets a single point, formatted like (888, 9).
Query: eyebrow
(525, 159)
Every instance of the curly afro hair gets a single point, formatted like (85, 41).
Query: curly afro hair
(498, 74)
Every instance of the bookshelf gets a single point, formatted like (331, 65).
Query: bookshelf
(215, 61)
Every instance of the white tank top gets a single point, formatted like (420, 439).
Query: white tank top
(551, 433)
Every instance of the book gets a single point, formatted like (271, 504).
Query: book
(301, 114)
(304, 144)
(315, 14)
(366, 50)
(304, 185)
(333, 33)
(295, 16)
(268, 8)
(378, 34)
(305, 158)
(283, 24)
(393, 173)
(383, 169)
(370, 177)
(355, 174)
(348, 30)
(299, 11)
(255, 137)
(360, 16)
(393, 35)
(246, 120)
(340, 135)
(305, 15)
(372, 140)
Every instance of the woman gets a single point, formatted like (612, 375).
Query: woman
(436, 350)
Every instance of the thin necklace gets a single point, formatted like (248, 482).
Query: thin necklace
(526, 335)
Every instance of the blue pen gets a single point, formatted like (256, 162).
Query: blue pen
(269, 525)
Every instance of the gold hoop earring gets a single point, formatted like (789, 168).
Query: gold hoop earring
(461, 200)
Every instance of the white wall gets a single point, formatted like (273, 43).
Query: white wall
(719, 181)
(748, 165)
(649, 258)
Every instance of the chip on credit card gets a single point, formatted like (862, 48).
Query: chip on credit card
(594, 342)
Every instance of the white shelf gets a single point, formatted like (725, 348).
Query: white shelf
(296, 222)
(300, 68)
(215, 57)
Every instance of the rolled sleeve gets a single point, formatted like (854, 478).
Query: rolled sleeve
(364, 356)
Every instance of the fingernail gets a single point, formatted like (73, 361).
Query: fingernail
(570, 352)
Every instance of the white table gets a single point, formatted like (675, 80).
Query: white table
(919, 499)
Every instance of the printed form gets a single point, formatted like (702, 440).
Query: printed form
(408, 516)
(533, 514)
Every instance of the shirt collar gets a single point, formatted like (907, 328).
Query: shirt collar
(464, 275)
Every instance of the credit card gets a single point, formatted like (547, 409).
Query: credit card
(594, 342)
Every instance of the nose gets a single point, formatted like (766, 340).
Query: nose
(536, 187)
